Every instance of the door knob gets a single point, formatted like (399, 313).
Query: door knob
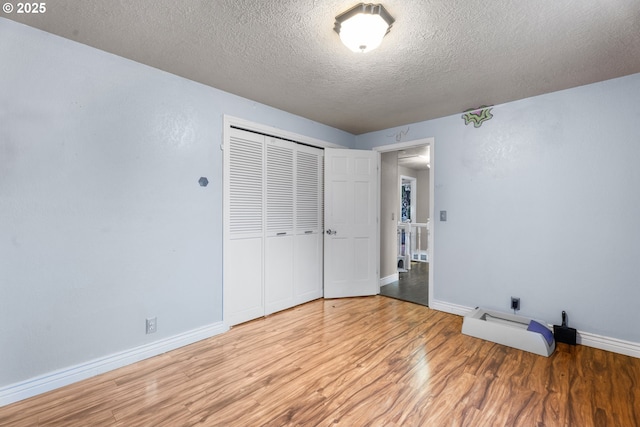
(331, 232)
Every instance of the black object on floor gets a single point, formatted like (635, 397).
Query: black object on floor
(564, 333)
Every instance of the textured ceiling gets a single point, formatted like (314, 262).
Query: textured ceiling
(440, 58)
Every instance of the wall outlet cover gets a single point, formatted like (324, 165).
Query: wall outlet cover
(152, 325)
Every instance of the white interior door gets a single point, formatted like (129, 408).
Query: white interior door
(350, 244)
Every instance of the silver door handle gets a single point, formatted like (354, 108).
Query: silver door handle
(331, 232)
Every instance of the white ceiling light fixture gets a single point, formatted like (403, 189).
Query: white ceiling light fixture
(363, 27)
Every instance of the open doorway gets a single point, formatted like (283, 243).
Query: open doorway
(406, 208)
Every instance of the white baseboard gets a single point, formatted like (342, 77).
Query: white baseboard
(56, 379)
(389, 279)
(588, 339)
(447, 307)
(62, 377)
(615, 345)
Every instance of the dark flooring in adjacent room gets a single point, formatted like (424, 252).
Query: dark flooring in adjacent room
(413, 286)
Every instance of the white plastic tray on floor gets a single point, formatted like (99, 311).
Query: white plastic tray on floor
(507, 329)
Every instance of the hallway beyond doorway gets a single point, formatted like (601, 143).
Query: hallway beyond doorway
(412, 286)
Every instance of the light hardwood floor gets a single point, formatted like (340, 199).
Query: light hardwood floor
(372, 361)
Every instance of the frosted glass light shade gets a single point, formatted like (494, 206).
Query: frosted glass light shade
(363, 32)
(363, 27)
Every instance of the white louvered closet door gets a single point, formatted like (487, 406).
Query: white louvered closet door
(244, 202)
(273, 253)
(309, 228)
(279, 242)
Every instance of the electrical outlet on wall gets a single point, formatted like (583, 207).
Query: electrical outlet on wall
(152, 325)
(515, 303)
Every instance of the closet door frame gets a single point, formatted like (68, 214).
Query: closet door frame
(229, 265)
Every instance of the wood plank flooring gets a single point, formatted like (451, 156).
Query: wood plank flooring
(371, 361)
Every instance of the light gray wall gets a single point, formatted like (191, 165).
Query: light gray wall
(102, 220)
(543, 204)
(423, 196)
(389, 211)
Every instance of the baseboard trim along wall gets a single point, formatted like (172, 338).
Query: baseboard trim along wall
(447, 307)
(389, 279)
(72, 374)
(628, 348)
(56, 379)
(615, 345)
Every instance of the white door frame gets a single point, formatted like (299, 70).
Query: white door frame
(229, 121)
(432, 218)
